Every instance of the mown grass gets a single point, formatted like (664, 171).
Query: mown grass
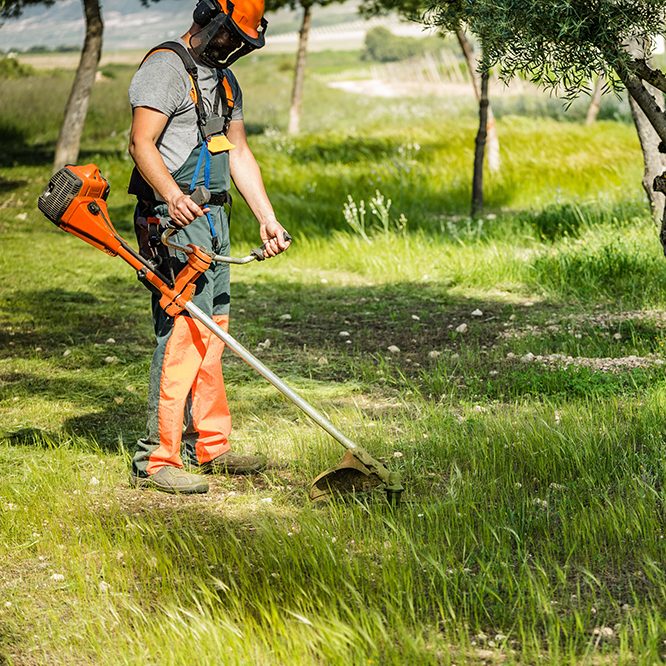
(533, 526)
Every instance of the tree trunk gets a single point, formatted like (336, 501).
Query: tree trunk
(595, 101)
(653, 161)
(492, 138)
(299, 73)
(647, 110)
(479, 149)
(69, 140)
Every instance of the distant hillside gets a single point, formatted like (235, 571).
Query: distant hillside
(129, 25)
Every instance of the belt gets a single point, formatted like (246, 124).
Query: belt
(216, 199)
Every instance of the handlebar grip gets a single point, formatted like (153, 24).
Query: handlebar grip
(258, 252)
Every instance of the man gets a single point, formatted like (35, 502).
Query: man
(187, 131)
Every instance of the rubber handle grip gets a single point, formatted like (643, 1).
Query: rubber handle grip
(201, 195)
(258, 252)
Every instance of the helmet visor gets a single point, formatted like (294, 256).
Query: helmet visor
(222, 42)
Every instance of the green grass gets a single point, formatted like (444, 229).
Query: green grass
(533, 524)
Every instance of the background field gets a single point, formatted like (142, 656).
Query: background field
(531, 440)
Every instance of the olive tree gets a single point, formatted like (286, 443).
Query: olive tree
(294, 124)
(487, 141)
(76, 109)
(564, 44)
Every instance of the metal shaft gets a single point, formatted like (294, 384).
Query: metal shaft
(269, 375)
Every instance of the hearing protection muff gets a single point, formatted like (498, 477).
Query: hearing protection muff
(222, 41)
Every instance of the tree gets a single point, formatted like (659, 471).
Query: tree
(69, 138)
(301, 53)
(565, 43)
(487, 133)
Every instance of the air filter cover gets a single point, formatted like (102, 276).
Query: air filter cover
(63, 187)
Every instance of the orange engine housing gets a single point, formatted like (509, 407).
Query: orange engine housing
(75, 200)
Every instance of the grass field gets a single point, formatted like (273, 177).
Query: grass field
(525, 408)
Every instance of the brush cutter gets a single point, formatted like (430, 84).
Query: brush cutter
(75, 200)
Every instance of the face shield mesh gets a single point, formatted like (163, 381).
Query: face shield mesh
(222, 42)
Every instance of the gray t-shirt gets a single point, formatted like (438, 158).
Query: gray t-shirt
(162, 83)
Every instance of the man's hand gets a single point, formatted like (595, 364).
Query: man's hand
(182, 210)
(272, 234)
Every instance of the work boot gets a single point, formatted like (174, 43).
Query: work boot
(232, 463)
(173, 480)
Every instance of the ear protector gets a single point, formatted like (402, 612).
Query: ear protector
(205, 12)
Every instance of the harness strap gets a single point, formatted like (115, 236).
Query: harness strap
(193, 73)
(204, 158)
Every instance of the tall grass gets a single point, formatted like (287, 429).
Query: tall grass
(533, 526)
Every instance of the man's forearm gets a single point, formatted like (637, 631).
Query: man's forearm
(151, 166)
(247, 178)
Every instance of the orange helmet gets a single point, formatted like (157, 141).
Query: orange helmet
(228, 30)
(248, 15)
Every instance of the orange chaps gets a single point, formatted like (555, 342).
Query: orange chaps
(187, 402)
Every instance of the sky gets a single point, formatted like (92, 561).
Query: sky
(129, 25)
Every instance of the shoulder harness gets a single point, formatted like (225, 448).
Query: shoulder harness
(208, 124)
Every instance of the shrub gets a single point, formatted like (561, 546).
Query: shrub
(11, 68)
(381, 45)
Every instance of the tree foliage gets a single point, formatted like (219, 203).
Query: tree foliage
(560, 43)
(10, 9)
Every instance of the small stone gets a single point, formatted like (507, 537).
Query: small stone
(110, 341)
(285, 317)
(397, 454)
(455, 356)
(104, 587)
(94, 481)
(604, 632)
(512, 317)
(266, 500)
(348, 342)
(462, 328)
(119, 400)
(8, 604)
(324, 281)
(617, 336)
(110, 359)
(322, 360)
(394, 349)
(477, 313)
(416, 318)
(38, 349)
(493, 373)
(265, 344)
(527, 358)
(344, 334)
(67, 352)
(22, 216)
(510, 355)
(57, 578)
(434, 354)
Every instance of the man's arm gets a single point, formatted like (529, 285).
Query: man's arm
(247, 178)
(147, 127)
